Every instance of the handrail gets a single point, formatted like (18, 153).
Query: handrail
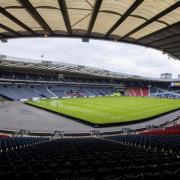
(95, 132)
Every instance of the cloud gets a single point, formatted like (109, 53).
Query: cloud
(119, 57)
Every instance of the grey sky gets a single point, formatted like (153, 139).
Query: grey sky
(114, 56)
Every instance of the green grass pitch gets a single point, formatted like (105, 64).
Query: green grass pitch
(104, 110)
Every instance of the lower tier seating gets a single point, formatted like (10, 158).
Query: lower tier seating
(29, 91)
(163, 93)
(169, 130)
(8, 144)
(166, 142)
(88, 159)
(3, 136)
(136, 91)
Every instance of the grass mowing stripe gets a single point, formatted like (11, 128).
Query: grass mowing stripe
(102, 110)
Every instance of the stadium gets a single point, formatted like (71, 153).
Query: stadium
(66, 121)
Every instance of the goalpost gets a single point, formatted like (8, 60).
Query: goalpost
(59, 104)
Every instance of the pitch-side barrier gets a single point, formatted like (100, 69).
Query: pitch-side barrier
(94, 133)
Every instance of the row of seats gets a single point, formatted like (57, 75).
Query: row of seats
(137, 91)
(8, 144)
(156, 92)
(177, 126)
(29, 91)
(175, 129)
(166, 142)
(88, 159)
(169, 130)
(3, 136)
(23, 76)
(163, 131)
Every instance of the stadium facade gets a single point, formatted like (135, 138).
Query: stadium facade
(23, 79)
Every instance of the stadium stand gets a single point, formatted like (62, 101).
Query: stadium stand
(18, 91)
(20, 86)
(72, 80)
(169, 130)
(10, 143)
(4, 136)
(166, 131)
(137, 91)
(30, 91)
(31, 86)
(152, 24)
(153, 141)
(5, 92)
(163, 93)
(89, 158)
(43, 91)
(6, 75)
(153, 92)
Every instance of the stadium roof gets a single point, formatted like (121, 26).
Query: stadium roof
(151, 23)
(29, 65)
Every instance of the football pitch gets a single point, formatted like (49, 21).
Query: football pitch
(108, 110)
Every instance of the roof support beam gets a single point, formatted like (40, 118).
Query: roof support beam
(159, 31)
(63, 7)
(124, 16)
(166, 44)
(163, 13)
(174, 55)
(177, 53)
(174, 51)
(94, 16)
(32, 11)
(172, 48)
(165, 39)
(9, 29)
(15, 20)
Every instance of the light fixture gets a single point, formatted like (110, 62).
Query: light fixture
(45, 35)
(85, 39)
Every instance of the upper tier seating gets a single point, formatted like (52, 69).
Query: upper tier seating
(34, 77)
(20, 76)
(87, 159)
(6, 75)
(37, 77)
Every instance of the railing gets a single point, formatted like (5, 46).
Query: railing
(96, 132)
